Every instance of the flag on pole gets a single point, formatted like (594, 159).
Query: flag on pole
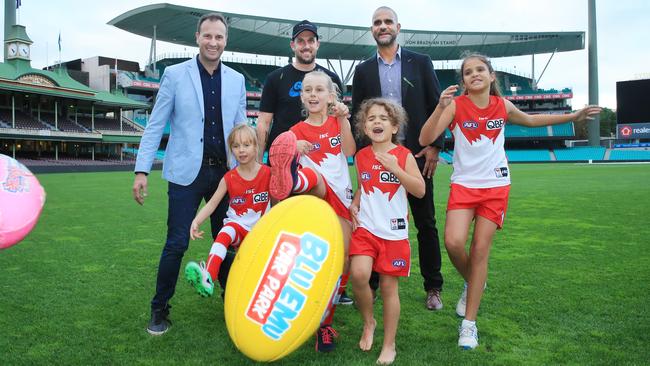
(18, 3)
(59, 39)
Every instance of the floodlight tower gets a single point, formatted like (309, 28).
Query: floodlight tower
(593, 126)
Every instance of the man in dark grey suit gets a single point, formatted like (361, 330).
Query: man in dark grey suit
(407, 78)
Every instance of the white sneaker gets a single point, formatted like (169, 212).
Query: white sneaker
(467, 337)
(462, 302)
(461, 306)
(199, 277)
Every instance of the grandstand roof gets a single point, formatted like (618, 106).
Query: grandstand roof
(271, 36)
(20, 77)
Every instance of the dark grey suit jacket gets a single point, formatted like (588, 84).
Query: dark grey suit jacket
(420, 92)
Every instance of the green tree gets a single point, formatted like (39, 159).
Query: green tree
(607, 122)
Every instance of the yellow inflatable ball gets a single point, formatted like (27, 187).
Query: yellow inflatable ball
(283, 278)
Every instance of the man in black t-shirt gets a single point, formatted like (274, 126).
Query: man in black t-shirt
(281, 94)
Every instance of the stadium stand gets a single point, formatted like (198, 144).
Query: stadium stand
(628, 154)
(61, 124)
(70, 126)
(580, 154)
(564, 129)
(106, 124)
(528, 155)
(23, 121)
(522, 131)
(254, 74)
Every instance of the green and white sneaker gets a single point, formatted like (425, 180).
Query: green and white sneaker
(199, 277)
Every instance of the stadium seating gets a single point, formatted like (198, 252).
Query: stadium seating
(70, 126)
(580, 154)
(627, 154)
(564, 129)
(528, 155)
(106, 124)
(160, 154)
(522, 131)
(62, 123)
(23, 121)
(447, 78)
(254, 74)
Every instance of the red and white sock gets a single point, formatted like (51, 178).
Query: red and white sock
(226, 237)
(307, 180)
(342, 286)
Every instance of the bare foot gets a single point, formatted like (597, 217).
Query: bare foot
(387, 355)
(365, 343)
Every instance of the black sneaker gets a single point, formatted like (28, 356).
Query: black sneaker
(159, 323)
(325, 339)
(344, 299)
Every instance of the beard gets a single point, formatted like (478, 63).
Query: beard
(385, 42)
(305, 61)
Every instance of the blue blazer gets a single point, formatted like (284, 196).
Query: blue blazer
(180, 101)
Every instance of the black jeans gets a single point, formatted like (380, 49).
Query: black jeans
(424, 217)
(183, 204)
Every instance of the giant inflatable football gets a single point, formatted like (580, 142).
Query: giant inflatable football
(21, 201)
(283, 278)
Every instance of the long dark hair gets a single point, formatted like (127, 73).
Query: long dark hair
(495, 89)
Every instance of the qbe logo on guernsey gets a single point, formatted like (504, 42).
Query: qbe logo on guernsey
(280, 294)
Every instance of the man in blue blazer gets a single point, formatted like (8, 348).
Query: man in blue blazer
(202, 99)
(407, 78)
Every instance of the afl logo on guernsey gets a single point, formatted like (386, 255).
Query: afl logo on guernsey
(494, 124)
(239, 200)
(388, 177)
(365, 176)
(470, 125)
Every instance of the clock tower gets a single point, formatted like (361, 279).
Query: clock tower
(17, 44)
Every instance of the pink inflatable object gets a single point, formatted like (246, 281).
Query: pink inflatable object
(21, 201)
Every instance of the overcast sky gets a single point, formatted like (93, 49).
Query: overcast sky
(623, 30)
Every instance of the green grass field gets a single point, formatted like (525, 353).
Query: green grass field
(568, 281)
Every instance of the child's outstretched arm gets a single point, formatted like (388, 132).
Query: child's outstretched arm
(535, 120)
(348, 146)
(440, 118)
(207, 210)
(410, 177)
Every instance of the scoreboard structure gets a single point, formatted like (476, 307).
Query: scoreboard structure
(633, 109)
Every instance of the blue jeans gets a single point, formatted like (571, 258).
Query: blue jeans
(184, 202)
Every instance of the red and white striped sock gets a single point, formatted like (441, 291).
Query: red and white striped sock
(342, 286)
(307, 180)
(226, 237)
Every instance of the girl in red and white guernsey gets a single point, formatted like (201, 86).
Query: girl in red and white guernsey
(386, 173)
(480, 182)
(311, 158)
(247, 187)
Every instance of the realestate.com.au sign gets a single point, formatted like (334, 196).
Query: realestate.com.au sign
(633, 131)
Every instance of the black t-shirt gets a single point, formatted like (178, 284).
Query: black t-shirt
(281, 96)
